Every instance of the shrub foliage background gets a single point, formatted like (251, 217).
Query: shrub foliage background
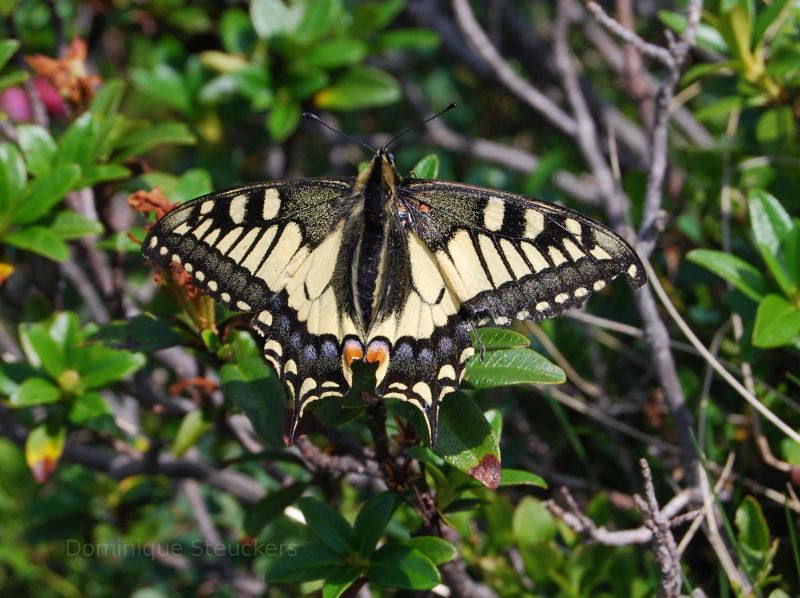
(142, 433)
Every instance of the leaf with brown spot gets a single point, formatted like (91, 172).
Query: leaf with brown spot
(466, 441)
(487, 472)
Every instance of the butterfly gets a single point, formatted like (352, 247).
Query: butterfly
(396, 272)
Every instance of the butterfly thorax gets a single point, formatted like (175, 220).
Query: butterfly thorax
(377, 189)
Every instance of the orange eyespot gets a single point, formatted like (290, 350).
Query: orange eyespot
(352, 351)
(377, 351)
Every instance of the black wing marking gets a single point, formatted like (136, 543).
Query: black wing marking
(270, 249)
(511, 257)
(475, 254)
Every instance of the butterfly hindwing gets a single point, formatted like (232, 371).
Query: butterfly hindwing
(270, 249)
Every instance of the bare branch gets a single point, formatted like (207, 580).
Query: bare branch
(664, 546)
(651, 50)
(482, 45)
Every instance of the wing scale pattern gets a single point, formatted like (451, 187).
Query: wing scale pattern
(453, 256)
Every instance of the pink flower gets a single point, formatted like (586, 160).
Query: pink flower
(14, 102)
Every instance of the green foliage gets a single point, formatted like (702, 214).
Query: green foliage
(341, 553)
(114, 387)
(777, 238)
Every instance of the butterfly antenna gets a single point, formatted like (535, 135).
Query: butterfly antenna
(426, 121)
(337, 131)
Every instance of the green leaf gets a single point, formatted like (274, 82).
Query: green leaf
(752, 525)
(192, 183)
(236, 32)
(100, 366)
(91, 410)
(165, 86)
(40, 240)
(12, 79)
(103, 173)
(777, 322)
(735, 270)
(335, 53)
(68, 226)
(327, 525)
(373, 16)
(466, 441)
(427, 167)
(412, 39)
(767, 16)
(360, 87)
(533, 522)
(12, 174)
(305, 563)
(270, 507)
(770, 221)
(316, 20)
(775, 124)
(34, 391)
(372, 520)
(8, 48)
(141, 140)
(495, 419)
(439, 551)
(771, 225)
(501, 338)
(144, 333)
(42, 350)
(108, 98)
(45, 192)
(512, 366)
(194, 426)
(302, 83)
(38, 147)
(252, 387)
(345, 576)
(519, 477)
(283, 119)
(708, 37)
(274, 17)
(398, 566)
(76, 145)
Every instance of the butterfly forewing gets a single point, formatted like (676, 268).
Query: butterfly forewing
(270, 249)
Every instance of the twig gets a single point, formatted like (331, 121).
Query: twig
(618, 209)
(585, 132)
(713, 523)
(455, 575)
(119, 467)
(191, 489)
(713, 362)
(659, 132)
(343, 464)
(605, 419)
(665, 549)
(628, 36)
(482, 45)
(581, 188)
(582, 524)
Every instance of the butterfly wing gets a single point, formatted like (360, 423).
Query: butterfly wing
(475, 255)
(271, 249)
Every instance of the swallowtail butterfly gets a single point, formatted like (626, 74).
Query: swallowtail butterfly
(393, 271)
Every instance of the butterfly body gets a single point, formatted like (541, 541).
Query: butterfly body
(395, 272)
